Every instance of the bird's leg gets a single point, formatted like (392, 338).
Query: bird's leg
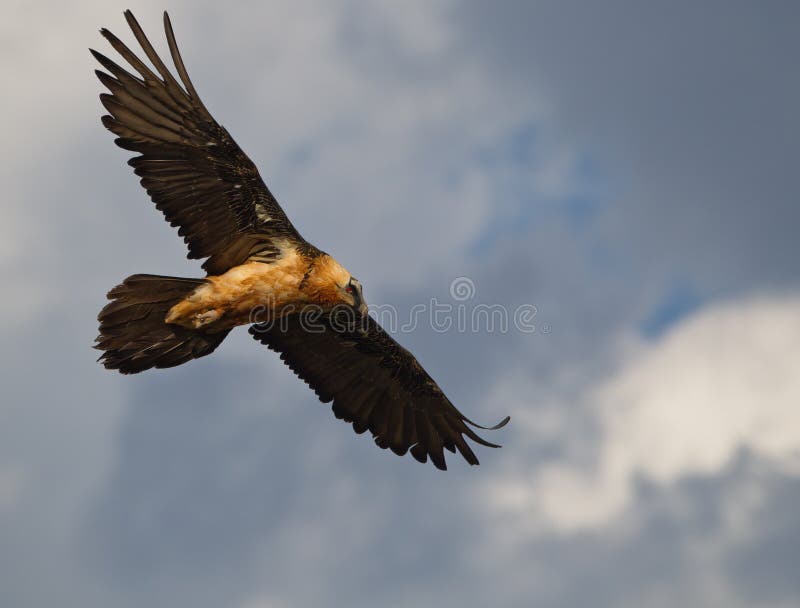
(201, 319)
(193, 314)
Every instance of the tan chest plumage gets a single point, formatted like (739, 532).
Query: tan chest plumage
(256, 292)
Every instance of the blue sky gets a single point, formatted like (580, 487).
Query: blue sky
(627, 168)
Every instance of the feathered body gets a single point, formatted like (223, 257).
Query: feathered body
(257, 292)
(258, 268)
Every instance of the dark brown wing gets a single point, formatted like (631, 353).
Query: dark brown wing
(190, 166)
(374, 383)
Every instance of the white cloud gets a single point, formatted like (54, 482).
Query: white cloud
(721, 381)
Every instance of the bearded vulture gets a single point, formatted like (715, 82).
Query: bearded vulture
(298, 300)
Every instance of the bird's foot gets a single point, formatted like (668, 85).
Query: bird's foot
(201, 319)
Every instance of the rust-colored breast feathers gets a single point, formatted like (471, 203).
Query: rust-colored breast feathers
(255, 292)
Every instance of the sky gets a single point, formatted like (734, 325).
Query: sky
(625, 172)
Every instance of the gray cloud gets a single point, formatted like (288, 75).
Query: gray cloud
(693, 110)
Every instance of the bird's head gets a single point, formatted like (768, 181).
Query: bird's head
(330, 284)
(353, 296)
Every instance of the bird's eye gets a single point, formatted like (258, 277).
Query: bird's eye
(349, 289)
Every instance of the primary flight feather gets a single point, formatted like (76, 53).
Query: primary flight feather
(309, 308)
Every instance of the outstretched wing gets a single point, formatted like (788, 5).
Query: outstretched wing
(190, 166)
(374, 383)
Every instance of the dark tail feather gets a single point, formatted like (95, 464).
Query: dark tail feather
(133, 334)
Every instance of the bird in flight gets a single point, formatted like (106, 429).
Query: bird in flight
(255, 260)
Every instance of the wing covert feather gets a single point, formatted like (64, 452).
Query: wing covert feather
(191, 167)
(373, 383)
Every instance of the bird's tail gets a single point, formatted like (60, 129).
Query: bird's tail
(133, 334)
